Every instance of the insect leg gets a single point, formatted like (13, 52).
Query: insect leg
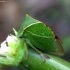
(26, 52)
(42, 56)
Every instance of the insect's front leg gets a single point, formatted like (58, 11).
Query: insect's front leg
(25, 47)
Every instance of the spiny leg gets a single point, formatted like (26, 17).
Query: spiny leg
(42, 56)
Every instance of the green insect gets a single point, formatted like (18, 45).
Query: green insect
(40, 37)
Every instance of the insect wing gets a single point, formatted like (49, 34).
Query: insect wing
(60, 50)
(40, 36)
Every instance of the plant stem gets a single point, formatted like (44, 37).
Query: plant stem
(15, 55)
(35, 62)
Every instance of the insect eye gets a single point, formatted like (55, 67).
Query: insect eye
(20, 37)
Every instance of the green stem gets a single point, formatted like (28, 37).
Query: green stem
(35, 62)
(14, 55)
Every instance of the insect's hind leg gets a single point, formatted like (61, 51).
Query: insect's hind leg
(26, 51)
(42, 56)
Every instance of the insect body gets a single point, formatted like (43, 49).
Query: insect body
(41, 36)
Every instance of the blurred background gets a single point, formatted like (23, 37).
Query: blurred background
(54, 13)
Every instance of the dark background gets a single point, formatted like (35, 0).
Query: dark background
(54, 13)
